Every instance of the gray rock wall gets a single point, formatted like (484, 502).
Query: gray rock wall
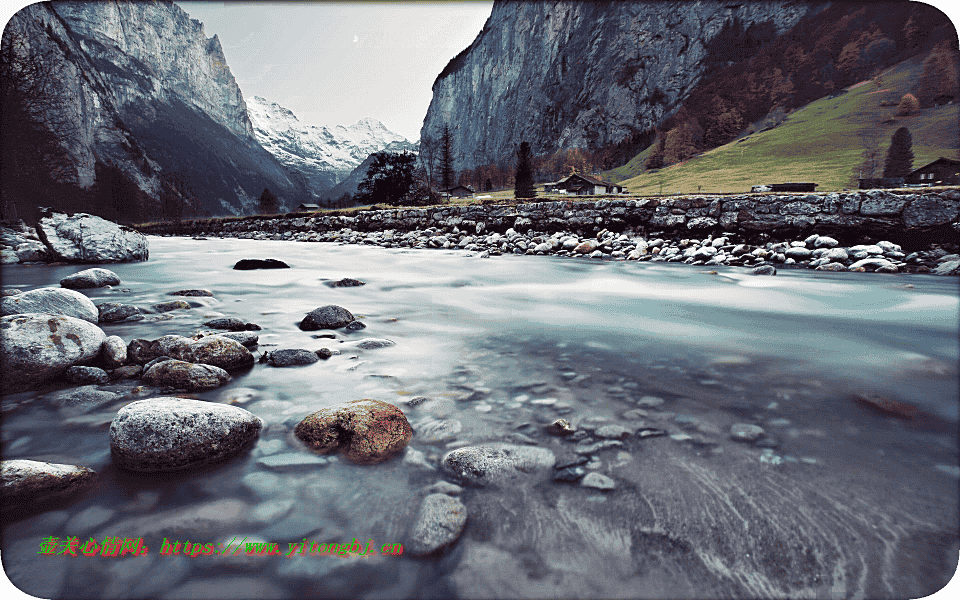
(913, 220)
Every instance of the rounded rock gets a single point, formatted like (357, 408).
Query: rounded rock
(185, 375)
(23, 482)
(220, 351)
(439, 523)
(91, 278)
(496, 464)
(326, 317)
(366, 431)
(86, 375)
(292, 358)
(36, 347)
(111, 312)
(113, 352)
(54, 301)
(744, 432)
(171, 434)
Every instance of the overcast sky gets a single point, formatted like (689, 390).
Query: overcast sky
(334, 63)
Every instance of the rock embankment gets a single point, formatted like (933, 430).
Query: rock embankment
(77, 238)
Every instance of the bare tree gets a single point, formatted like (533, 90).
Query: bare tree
(428, 159)
(446, 159)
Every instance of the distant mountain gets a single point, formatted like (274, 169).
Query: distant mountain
(150, 97)
(324, 156)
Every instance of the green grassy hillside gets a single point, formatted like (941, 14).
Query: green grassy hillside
(822, 142)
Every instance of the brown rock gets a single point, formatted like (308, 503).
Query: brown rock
(186, 376)
(886, 405)
(223, 352)
(366, 431)
(25, 482)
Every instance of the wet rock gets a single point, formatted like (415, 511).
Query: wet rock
(436, 431)
(249, 264)
(54, 301)
(191, 293)
(346, 282)
(244, 337)
(365, 431)
(496, 464)
(171, 305)
(86, 375)
(185, 375)
(949, 267)
(886, 405)
(326, 317)
(89, 239)
(25, 482)
(590, 448)
(292, 358)
(570, 461)
(170, 434)
(598, 481)
(831, 267)
(373, 343)
(127, 372)
(37, 347)
(744, 432)
(764, 270)
(416, 401)
(650, 432)
(176, 346)
(232, 324)
(87, 396)
(613, 432)
(91, 278)
(110, 312)
(142, 351)
(324, 353)
(444, 487)
(650, 402)
(222, 352)
(560, 427)
(291, 461)
(876, 263)
(356, 325)
(438, 524)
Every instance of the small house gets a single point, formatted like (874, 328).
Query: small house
(583, 185)
(793, 187)
(308, 207)
(461, 191)
(943, 171)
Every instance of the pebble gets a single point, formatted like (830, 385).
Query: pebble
(650, 402)
(598, 481)
(744, 432)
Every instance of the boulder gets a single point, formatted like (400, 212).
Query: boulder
(32, 252)
(185, 375)
(113, 352)
(111, 312)
(249, 264)
(876, 263)
(292, 358)
(83, 238)
(171, 305)
(86, 375)
(36, 347)
(496, 464)
(231, 324)
(191, 293)
(373, 343)
(171, 434)
(439, 523)
(222, 352)
(25, 482)
(346, 282)
(244, 337)
(365, 431)
(90, 278)
(142, 351)
(949, 267)
(326, 317)
(764, 270)
(51, 300)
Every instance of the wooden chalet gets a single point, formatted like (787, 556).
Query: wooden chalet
(583, 185)
(943, 171)
(460, 191)
(308, 207)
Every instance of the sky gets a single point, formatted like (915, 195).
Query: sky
(333, 63)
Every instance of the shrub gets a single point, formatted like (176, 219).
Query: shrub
(908, 105)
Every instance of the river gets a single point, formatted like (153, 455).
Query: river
(840, 501)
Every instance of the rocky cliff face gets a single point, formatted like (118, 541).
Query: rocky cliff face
(155, 97)
(325, 156)
(580, 74)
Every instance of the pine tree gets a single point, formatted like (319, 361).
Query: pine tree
(900, 155)
(268, 203)
(523, 186)
(446, 159)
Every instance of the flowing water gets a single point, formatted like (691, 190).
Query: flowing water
(844, 501)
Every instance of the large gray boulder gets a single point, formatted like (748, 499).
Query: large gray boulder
(24, 482)
(366, 431)
(83, 238)
(55, 301)
(439, 523)
(326, 317)
(90, 278)
(185, 375)
(171, 434)
(496, 464)
(36, 347)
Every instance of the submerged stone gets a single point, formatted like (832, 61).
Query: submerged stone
(365, 431)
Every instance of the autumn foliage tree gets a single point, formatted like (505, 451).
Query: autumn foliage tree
(900, 154)
(939, 79)
(908, 105)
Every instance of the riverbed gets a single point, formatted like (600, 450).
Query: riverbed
(838, 500)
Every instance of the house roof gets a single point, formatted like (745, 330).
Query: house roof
(305, 205)
(947, 161)
(588, 179)
(463, 187)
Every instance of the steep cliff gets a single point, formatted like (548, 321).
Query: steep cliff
(155, 98)
(581, 74)
(325, 156)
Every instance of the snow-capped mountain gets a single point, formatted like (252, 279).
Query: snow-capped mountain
(324, 155)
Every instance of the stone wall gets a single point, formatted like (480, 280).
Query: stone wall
(912, 219)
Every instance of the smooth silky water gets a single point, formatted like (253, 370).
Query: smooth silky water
(850, 503)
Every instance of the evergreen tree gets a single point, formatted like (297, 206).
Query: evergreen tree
(268, 203)
(389, 179)
(523, 186)
(900, 155)
(446, 159)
